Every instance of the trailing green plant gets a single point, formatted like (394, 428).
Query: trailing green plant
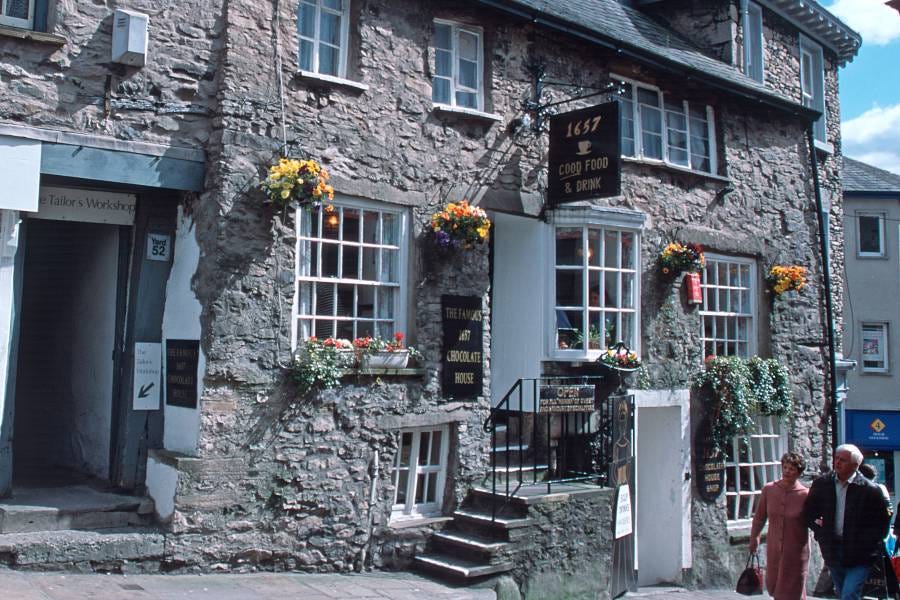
(319, 364)
(769, 379)
(733, 390)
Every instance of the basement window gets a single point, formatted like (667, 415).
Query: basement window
(420, 472)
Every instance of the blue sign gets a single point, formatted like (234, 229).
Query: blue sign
(873, 429)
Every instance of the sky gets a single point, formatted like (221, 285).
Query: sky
(870, 85)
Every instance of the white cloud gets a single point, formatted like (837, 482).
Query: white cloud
(878, 23)
(874, 137)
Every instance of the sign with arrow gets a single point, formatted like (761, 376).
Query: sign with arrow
(147, 375)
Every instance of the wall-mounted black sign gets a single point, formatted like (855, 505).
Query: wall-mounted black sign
(709, 464)
(463, 360)
(182, 360)
(567, 398)
(585, 154)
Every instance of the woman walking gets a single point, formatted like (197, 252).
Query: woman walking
(787, 542)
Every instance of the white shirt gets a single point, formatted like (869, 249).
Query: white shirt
(840, 488)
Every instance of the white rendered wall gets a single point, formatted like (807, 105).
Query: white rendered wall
(161, 482)
(181, 321)
(663, 456)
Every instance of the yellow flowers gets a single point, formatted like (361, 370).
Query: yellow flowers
(459, 224)
(784, 278)
(303, 181)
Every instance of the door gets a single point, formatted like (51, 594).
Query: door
(659, 494)
(621, 477)
(65, 361)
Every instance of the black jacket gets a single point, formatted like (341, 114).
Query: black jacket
(867, 516)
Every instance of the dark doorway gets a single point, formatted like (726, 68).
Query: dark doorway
(63, 425)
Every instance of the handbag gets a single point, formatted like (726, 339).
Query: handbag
(895, 560)
(750, 583)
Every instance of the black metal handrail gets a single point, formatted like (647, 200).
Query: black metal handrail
(576, 428)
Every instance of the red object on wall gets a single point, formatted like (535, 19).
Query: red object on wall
(692, 285)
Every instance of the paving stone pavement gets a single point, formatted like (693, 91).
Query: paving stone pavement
(17, 585)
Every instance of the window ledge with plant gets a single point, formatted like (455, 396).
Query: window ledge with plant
(467, 112)
(34, 36)
(314, 77)
(320, 364)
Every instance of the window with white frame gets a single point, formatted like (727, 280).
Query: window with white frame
(17, 13)
(750, 463)
(870, 234)
(458, 65)
(753, 42)
(351, 271)
(812, 82)
(874, 347)
(727, 313)
(420, 472)
(662, 126)
(595, 289)
(323, 27)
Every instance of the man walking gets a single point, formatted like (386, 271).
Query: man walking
(849, 517)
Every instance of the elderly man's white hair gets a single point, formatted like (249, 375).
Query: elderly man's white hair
(855, 453)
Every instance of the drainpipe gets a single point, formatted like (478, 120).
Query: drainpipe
(826, 275)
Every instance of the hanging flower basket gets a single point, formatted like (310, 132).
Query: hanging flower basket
(786, 278)
(620, 358)
(677, 258)
(303, 183)
(459, 225)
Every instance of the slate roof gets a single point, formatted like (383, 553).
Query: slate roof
(860, 178)
(625, 29)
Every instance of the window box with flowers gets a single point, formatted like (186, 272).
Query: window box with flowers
(377, 353)
(459, 225)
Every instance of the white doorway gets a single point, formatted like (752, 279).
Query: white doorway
(663, 510)
(64, 385)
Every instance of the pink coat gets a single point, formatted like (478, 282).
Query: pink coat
(787, 543)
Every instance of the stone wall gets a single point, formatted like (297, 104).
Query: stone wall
(75, 87)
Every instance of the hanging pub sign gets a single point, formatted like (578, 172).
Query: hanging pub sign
(709, 465)
(462, 358)
(585, 154)
(566, 398)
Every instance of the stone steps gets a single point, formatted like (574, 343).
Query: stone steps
(39, 509)
(109, 550)
(455, 567)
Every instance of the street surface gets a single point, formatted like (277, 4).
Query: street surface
(18, 585)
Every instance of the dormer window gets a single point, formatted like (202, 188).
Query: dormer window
(323, 26)
(458, 66)
(754, 55)
(17, 13)
(812, 83)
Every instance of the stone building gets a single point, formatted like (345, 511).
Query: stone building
(140, 253)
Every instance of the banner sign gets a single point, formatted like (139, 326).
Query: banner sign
(462, 359)
(182, 360)
(566, 398)
(585, 154)
(873, 429)
(87, 206)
